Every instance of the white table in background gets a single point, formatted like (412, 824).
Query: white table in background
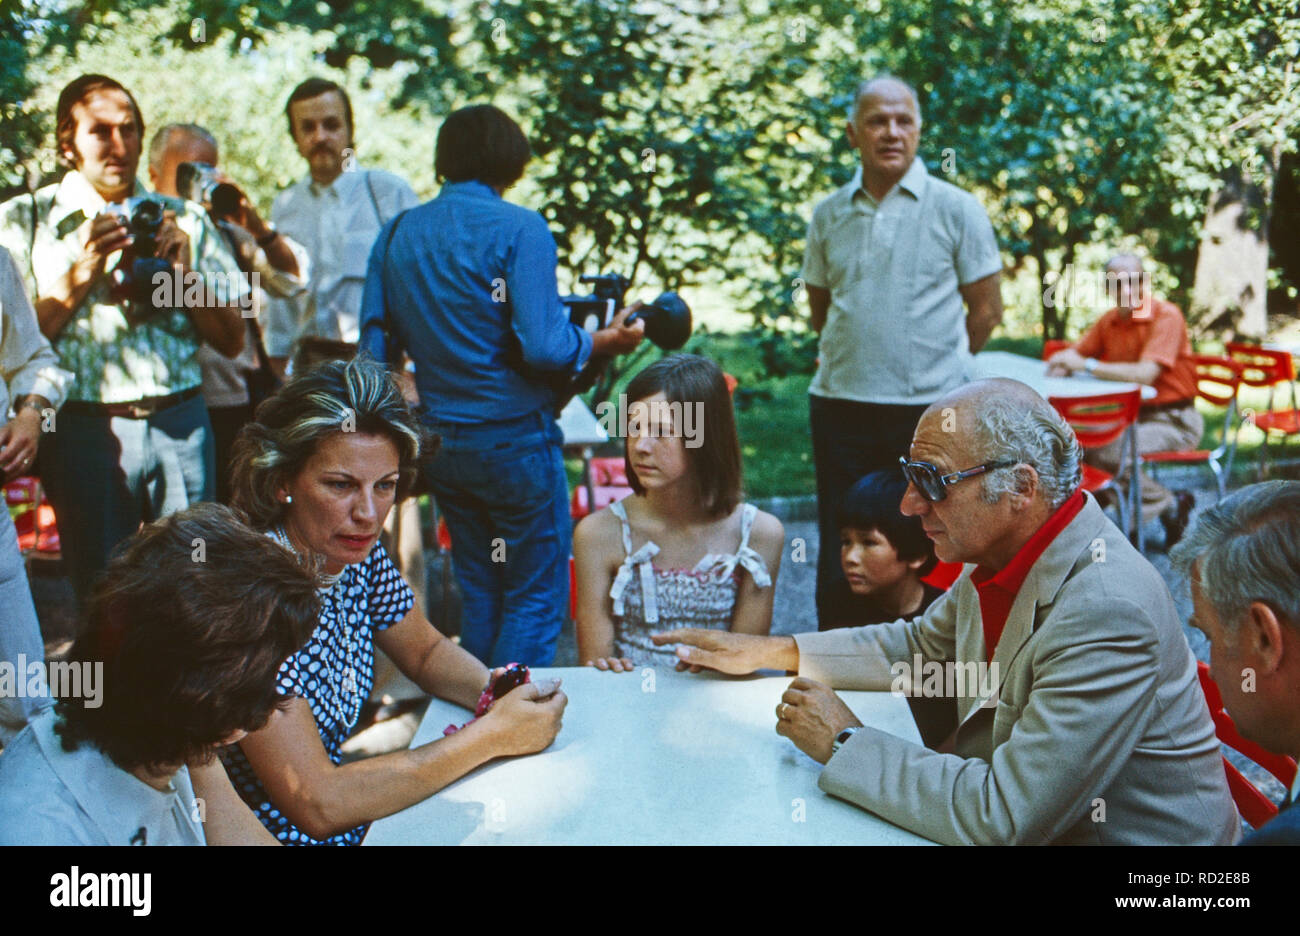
(582, 432)
(1033, 372)
(653, 757)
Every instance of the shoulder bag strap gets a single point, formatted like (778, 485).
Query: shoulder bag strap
(391, 350)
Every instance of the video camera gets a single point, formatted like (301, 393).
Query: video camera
(133, 278)
(202, 183)
(667, 319)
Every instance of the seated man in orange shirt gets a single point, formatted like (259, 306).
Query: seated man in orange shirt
(1143, 340)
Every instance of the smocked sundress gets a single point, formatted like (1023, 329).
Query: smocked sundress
(647, 599)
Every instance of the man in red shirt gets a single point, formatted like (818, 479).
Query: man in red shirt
(1143, 340)
(1081, 719)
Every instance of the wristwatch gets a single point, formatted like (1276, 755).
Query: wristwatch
(842, 738)
(1090, 365)
(267, 239)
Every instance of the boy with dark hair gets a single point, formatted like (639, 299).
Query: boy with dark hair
(883, 553)
(884, 556)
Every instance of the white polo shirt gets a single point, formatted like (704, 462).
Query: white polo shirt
(896, 329)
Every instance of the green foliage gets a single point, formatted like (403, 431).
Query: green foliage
(684, 144)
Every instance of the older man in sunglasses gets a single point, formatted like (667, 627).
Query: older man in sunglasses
(1085, 723)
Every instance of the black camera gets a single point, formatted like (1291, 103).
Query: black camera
(140, 264)
(667, 319)
(200, 182)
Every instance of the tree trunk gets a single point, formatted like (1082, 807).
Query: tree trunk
(1231, 282)
(1051, 295)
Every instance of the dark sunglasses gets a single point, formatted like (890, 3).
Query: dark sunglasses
(932, 485)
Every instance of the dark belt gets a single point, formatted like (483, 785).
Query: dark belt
(1171, 405)
(136, 409)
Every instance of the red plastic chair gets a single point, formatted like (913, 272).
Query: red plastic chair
(1052, 345)
(1217, 382)
(33, 517)
(608, 484)
(1097, 421)
(1264, 367)
(573, 590)
(1254, 806)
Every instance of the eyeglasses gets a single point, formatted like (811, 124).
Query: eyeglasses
(933, 485)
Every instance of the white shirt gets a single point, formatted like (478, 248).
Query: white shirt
(27, 362)
(896, 329)
(49, 796)
(336, 224)
(112, 360)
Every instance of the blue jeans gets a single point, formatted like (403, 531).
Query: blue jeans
(20, 636)
(502, 490)
(105, 475)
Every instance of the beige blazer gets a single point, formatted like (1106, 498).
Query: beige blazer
(1093, 728)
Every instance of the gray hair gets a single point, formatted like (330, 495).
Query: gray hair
(336, 396)
(865, 85)
(1246, 548)
(163, 139)
(1006, 429)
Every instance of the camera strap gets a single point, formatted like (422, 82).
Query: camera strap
(392, 352)
(374, 202)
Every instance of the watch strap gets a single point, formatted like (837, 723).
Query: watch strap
(842, 738)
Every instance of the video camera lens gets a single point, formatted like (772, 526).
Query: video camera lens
(200, 182)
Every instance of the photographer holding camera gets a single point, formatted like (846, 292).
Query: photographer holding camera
(133, 442)
(183, 164)
(465, 284)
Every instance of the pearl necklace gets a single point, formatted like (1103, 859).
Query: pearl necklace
(325, 581)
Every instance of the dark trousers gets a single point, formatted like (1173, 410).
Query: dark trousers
(105, 475)
(850, 439)
(226, 423)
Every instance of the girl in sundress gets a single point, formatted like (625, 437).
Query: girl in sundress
(682, 550)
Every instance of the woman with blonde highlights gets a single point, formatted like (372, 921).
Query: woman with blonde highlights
(318, 470)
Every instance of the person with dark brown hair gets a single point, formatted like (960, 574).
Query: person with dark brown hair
(335, 212)
(668, 556)
(319, 470)
(465, 285)
(186, 630)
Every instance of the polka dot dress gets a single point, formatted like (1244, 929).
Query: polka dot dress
(334, 673)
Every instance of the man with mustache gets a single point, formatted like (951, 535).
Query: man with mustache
(334, 212)
(902, 274)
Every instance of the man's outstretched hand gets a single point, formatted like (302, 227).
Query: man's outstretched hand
(736, 654)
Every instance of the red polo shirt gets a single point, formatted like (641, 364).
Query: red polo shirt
(997, 590)
(1155, 331)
